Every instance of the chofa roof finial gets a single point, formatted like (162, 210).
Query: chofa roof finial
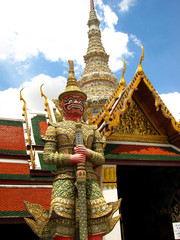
(123, 82)
(140, 70)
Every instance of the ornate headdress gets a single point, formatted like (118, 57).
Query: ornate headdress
(72, 85)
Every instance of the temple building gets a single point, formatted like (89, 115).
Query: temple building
(142, 151)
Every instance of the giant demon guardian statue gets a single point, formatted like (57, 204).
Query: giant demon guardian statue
(78, 209)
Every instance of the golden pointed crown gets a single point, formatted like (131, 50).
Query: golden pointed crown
(72, 85)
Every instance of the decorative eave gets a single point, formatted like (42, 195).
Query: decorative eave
(159, 103)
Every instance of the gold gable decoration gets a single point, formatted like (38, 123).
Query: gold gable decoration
(134, 125)
(135, 122)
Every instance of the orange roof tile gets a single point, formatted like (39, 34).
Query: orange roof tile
(12, 199)
(14, 168)
(43, 127)
(141, 149)
(12, 138)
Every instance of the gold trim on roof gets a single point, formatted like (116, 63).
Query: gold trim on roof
(138, 138)
(109, 104)
(111, 118)
(159, 102)
(125, 97)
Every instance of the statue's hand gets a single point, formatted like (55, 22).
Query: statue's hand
(77, 158)
(81, 149)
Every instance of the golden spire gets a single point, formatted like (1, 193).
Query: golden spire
(140, 70)
(72, 85)
(46, 104)
(91, 4)
(123, 82)
(97, 79)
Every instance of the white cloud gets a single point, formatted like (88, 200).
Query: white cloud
(114, 42)
(135, 39)
(55, 28)
(172, 101)
(110, 18)
(126, 4)
(10, 104)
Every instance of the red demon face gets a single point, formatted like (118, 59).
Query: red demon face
(73, 104)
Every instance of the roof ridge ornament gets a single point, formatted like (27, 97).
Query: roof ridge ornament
(46, 104)
(122, 81)
(28, 128)
(140, 70)
(28, 131)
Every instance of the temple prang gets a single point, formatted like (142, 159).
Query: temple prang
(97, 79)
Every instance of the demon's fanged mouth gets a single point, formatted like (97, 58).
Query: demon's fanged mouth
(69, 107)
(74, 104)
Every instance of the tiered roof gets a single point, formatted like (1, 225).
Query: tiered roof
(18, 181)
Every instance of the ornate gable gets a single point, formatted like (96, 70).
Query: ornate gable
(135, 112)
(134, 121)
(135, 125)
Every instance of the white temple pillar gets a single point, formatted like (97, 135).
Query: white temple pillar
(109, 189)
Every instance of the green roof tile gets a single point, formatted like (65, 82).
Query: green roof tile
(36, 129)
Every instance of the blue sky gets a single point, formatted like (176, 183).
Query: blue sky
(39, 36)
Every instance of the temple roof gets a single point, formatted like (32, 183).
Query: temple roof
(140, 94)
(19, 181)
(142, 154)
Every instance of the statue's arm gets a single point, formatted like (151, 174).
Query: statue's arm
(97, 152)
(50, 156)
